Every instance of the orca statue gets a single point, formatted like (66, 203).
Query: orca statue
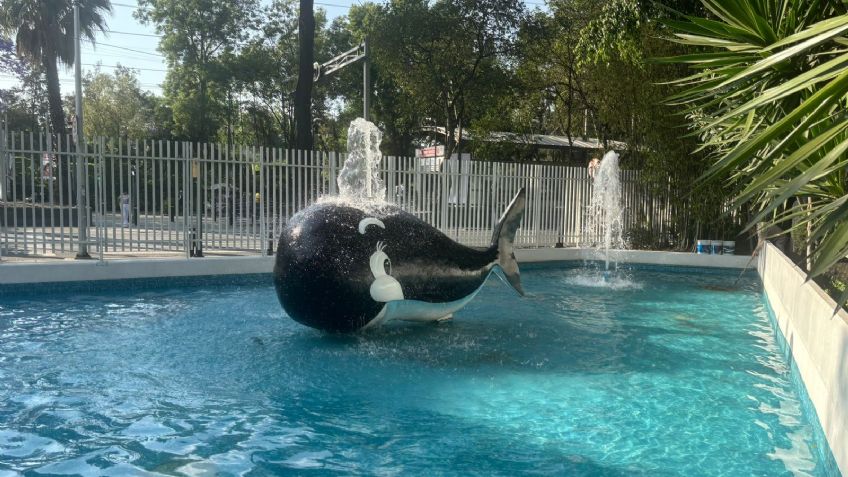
(344, 267)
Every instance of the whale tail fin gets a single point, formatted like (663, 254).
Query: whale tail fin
(503, 237)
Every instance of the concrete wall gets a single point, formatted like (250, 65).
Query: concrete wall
(818, 338)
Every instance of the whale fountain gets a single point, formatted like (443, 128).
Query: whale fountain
(355, 261)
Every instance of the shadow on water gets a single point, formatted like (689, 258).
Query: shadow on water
(390, 445)
(511, 346)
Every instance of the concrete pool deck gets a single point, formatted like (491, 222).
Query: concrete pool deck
(56, 270)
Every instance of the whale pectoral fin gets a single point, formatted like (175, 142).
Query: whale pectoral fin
(504, 236)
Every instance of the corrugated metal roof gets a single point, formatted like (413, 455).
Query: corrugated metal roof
(543, 140)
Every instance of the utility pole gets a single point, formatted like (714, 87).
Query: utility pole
(82, 212)
(366, 81)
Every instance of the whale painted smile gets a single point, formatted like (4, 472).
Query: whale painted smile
(341, 267)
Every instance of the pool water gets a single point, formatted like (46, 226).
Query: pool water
(673, 374)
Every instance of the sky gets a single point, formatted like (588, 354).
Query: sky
(131, 44)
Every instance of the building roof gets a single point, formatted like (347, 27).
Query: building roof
(541, 140)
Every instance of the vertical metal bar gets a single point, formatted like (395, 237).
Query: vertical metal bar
(4, 182)
(173, 196)
(220, 200)
(101, 203)
(241, 197)
(36, 162)
(186, 160)
(536, 181)
(146, 178)
(275, 190)
(333, 173)
(262, 199)
(288, 183)
(43, 202)
(14, 172)
(159, 213)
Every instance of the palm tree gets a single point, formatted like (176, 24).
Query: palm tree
(769, 100)
(43, 31)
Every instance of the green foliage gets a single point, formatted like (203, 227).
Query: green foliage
(197, 36)
(767, 97)
(42, 31)
(114, 106)
(448, 56)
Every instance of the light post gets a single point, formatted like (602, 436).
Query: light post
(82, 212)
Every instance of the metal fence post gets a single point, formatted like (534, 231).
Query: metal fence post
(100, 200)
(4, 168)
(333, 173)
(82, 209)
(537, 184)
(186, 193)
(263, 192)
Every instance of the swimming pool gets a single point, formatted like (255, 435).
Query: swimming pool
(667, 374)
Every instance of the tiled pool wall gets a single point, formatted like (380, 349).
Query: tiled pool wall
(815, 338)
(822, 448)
(816, 332)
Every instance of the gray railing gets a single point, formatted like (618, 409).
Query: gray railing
(193, 199)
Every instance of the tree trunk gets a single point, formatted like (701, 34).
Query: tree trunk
(54, 95)
(303, 93)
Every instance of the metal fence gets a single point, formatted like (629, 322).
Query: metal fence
(193, 199)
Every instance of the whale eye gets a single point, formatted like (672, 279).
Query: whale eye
(364, 223)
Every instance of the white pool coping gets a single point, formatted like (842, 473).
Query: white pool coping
(817, 334)
(93, 270)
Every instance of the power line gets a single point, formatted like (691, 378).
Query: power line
(129, 49)
(123, 66)
(70, 81)
(115, 4)
(121, 55)
(133, 34)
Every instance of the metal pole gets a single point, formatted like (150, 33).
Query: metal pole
(3, 166)
(366, 82)
(82, 213)
(3, 172)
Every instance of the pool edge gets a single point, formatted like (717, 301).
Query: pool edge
(12, 273)
(816, 332)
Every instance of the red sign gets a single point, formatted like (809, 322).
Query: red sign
(432, 151)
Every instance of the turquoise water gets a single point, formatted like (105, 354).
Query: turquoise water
(663, 375)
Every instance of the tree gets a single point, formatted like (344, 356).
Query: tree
(448, 55)
(115, 106)
(303, 93)
(195, 34)
(43, 31)
(9, 61)
(767, 99)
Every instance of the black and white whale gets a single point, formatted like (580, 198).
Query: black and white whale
(343, 267)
